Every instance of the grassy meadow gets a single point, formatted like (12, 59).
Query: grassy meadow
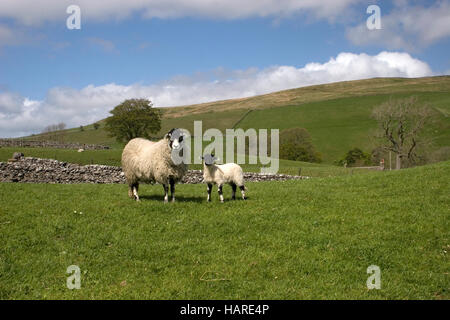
(309, 239)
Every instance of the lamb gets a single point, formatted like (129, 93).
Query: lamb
(220, 174)
(150, 162)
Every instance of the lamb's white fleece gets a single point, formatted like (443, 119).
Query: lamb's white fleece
(223, 173)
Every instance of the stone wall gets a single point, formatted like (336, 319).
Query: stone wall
(36, 170)
(49, 144)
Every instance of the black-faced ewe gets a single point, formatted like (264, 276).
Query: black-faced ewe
(147, 161)
(220, 174)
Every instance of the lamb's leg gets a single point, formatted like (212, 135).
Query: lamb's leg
(233, 194)
(209, 188)
(243, 192)
(220, 193)
(135, 191)
(172, 189)
(166, 193)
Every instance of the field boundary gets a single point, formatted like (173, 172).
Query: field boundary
(38, 170)
(242, 118)
(49, 144)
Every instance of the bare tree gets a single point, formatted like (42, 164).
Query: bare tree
(401, 123)
(54, 132)
(61, 126)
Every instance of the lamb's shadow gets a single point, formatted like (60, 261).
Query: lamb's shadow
(177, 198)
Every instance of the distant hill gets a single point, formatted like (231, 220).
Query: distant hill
(337, 114)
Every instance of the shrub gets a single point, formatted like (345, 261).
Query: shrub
(356, 157)
(296, 144)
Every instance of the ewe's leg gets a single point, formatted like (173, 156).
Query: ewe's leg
(220, 193)
(135, 191)
(242, 191)
(172, 190)
(166, 191)
(209, 188)
(233, 194)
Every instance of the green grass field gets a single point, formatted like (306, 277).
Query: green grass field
(309, 239)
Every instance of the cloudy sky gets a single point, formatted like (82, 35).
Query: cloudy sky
(178, 52)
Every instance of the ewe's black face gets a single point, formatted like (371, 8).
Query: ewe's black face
(209, 159)
(175, 137)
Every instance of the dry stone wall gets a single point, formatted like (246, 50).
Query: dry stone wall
(49, 144)
(36, 170)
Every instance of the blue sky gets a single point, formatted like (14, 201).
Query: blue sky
(188, 52)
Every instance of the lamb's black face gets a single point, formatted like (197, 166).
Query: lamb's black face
(175, 137)
(209, 159)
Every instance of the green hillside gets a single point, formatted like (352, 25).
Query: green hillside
(339, 125)
(337, 115)
(309, 239)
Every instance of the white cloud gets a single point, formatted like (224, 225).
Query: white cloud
(31, 12)
(9, 36)
(19, 116)
(18, 35)
(406, 27)
(6, 35)
(104, 44)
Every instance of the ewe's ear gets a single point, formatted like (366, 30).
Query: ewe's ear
(169, 134)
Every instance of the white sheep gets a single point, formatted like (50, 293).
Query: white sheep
(230, 173)
(147, 161)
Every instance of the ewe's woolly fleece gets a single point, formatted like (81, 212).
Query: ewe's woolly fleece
(147, 161)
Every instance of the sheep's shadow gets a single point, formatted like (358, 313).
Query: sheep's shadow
(177, 198)
(185, 199)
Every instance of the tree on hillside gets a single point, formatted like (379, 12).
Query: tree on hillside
(355, 157)
(54, 132)
(296, 144)
(96, 125)
(54, 127)
(401, 126)
(133, 118)
(61, 126)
